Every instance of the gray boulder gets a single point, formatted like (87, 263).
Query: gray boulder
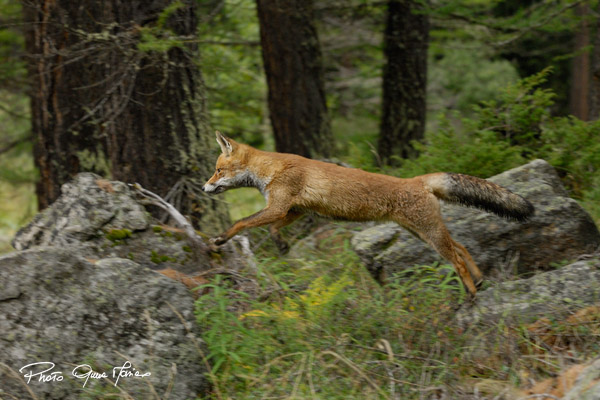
(559, 230)
(552, 293)
(88, 207)
(57, 307)
(104, 219)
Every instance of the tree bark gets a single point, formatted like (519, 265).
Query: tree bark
(580, 73)
(293, 66)
(404, 80)
(595, 72)
(101, 104)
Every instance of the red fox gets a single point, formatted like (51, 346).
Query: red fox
(293, 185)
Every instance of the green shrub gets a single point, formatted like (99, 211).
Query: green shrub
(510, 131)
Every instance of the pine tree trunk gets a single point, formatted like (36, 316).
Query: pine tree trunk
(580, 73)
(404, 80)
(101, 104)
(595, 72)
(293, 66)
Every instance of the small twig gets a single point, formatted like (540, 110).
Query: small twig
(175, 214)
(223, 271)
(390, 353)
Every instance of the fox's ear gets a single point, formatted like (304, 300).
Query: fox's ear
(225, 143)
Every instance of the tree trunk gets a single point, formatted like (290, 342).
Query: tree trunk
(595, 72)
(580, 73)
(101, 104)
(293, 66)
(404, 80)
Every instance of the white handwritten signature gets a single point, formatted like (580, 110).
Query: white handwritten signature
(43, 371)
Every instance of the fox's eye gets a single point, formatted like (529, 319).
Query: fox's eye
(218, 170)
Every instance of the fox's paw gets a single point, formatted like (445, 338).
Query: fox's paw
(215, 243)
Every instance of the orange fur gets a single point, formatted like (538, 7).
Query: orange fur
(294, 185)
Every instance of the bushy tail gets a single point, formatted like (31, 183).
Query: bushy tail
(475, 192)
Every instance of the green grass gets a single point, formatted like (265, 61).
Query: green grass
(319, 327)
(325, 329)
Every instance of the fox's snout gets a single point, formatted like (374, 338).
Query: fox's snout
(216, 184)
(212, 188)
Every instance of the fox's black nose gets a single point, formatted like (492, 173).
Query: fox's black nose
(204, 188)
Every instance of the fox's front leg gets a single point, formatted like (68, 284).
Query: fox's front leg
(268, 215)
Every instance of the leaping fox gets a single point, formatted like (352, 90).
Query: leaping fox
(293, 185)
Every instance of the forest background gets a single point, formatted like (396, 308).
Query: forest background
(492, 83)
(134, 91)
(481, 86)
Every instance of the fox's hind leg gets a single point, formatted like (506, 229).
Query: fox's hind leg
(471, 265)
(441, 241)
(428, 225)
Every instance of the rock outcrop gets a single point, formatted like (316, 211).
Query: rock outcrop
(105, 219)
(88, 208)
(81, 291)
(559, 230)
(523, 301)
(57, 307)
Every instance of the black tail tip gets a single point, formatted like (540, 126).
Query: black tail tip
(525, 212)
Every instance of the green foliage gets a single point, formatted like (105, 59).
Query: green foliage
(509, 131)
(226, 336)
(17, 172)
(501, 134)
(326, 327)
(320, 327)
(460, 76)
(573, 147)
(157, 40)
(159, 37)
(502, 22)
(480, 153)
(12, 42)
(519, 112)
(232, 66)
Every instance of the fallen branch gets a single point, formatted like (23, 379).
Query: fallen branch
(180, 220)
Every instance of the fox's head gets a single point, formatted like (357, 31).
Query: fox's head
(230, 171)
